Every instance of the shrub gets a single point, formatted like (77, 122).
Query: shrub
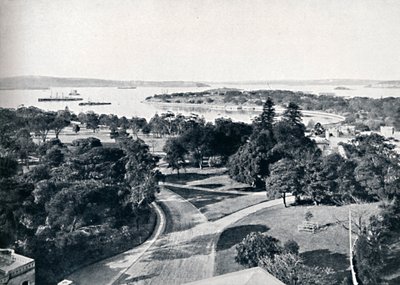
(255, 246)
(308, 216)
(215, 161)
(291, 246)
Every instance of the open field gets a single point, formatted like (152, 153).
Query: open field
(67, 136)
(327, 247)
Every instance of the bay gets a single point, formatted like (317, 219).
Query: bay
(131, 102)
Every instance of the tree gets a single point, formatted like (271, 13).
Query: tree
(250, 164)
(76, 128)
(175, 154)
(41, 124)
(54, 157)
(61, 120)
(291, 140)
(227, 136)
(124, 123)
(370, 251)
(255, 246)
(284, 177)
(23, 145)
(168, 119)
(140, 175)
(157, 125)
(13, 196)
(114, 133)
(397, 119)
(318, 129)
(137, 124)
(266, 119)
(291, 246)
(292, 114)
(197, 141)
(92, 121)
(8, 167)
(377, 165)
(86, 144)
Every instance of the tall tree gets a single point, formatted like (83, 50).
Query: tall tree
(292, 114)
(140, 175)
(268, 115)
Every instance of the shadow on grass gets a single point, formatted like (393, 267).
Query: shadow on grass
(201, 198)
(125, 279)
(182, 178)
(325, 258)
(235, 235)
(165, 250)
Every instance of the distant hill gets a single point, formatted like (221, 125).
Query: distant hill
(337, 82)
(45, 82)
(386, 84)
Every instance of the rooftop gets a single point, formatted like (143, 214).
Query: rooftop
(252, 276)
(9, 261)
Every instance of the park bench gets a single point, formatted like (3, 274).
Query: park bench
(308, 227)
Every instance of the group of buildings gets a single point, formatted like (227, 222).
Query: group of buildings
(16, 269)
(334, 136)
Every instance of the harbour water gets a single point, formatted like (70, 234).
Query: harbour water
(131, 102)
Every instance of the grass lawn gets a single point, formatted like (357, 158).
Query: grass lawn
(209, 178)
(103, 134)
(215, 205)
(325, 248)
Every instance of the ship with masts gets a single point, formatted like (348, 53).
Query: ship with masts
(58, 98)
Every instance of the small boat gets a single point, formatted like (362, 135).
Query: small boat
(94, 103)
(126, 87)
(74, 93)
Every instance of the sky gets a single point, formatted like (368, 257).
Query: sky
(201, 40)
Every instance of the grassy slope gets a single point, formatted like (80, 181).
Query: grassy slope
(202, 187)
(326, 248)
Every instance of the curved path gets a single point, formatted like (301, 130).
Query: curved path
(186, 250)
(109, 270)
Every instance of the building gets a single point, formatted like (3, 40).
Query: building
(387, 131)
(16, 269)
(252, 276)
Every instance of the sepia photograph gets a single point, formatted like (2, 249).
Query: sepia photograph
(224, 142)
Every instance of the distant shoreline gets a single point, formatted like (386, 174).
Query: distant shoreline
(247, 108)
(24, 88)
